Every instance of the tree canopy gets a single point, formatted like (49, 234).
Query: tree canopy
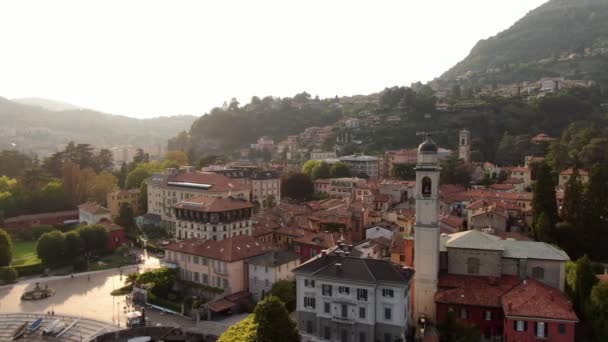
(273, 322)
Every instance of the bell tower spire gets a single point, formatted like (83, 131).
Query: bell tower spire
(426, 238)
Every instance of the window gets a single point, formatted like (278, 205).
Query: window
(473, 265)
(309, 327)
(538, 273)
(388, 293)
(362, 337)
(426, 186)
(205, 261)
(196, 277)
(326, 290)
(327, 307)
(196, 260)
(327, 333)
(362, 313)
(541, 329)
(561, 328)
(488, 315)
(402, 258)
(520, 325)
(464, 313)
(344, 311)
(388, 313)
(362, 294)
(344, 290)
(309, 283)
(309, 302)
(205, 279)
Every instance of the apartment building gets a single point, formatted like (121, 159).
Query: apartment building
(217, 263)
(115, 199)
(266, 269)
(265, 186)
(166, 189)
(362, 164)
(345, 298)
(212, 218)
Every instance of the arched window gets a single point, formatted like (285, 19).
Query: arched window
(473, 265)
(538, 272)
(427, 185)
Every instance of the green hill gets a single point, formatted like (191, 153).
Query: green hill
(560, 38)
(42, 131)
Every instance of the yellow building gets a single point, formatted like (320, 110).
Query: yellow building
(116, 198)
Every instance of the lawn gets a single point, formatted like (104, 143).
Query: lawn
(110, 261)
(24, 253)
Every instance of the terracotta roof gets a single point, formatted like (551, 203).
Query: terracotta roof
(502, 187)
(473, 195)
(537, 300)
(230, 249)
(516, 169)
(109, 225)
(42, 216)
(322, 181)
(382, 197)
(398, 245)
(291, 231)
(474, 290)
(450, 188)
(218, 183)
(453, 221)
(221, 305)
(513, 181)
(512, 235)
(213, 204)
(542, 137)
(93, 208)
(321, 239)
(570, 171)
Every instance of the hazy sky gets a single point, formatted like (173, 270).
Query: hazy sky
(150, 58)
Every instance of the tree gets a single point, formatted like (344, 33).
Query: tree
(309, 166)
(78, 183)
(572, 209)
(320, 171)
(74, 245)
(599, 310)
(178, 157)
(95, 238)
(6, 247)
(297, 186)
(243, 331)
(404, 171)
(51, 247)
(8, 274)
(285, 290)
(544, 201)
(455, 171)
(142, 198)
(104, 161)
(273, 321)
(142, 172)
(584, 281)
(452, 330)
(13, 163)
(339, 170)
(595, 213)
(125, 219)
(542, 228)
(162, 278)
(104, 183)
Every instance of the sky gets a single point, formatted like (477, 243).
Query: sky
(151, 58)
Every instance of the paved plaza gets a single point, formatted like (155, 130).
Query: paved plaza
(84, 295)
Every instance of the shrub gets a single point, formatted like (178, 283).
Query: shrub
(8, 274)
(29, 270)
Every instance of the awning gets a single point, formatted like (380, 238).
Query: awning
(221, 305)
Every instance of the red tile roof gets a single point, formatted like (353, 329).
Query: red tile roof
(451, 188)
(382, 197)
(542, 137)
(453, 221)
(70, 213)
(502, 187)
(320, 239)
(513, 181)
(93, 208)
(537, 300)
(570, 171)
(213, 204)
(231, 249)
(219, 183)
(109, 225)
(474, 290)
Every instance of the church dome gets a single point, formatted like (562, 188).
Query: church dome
(428, 146)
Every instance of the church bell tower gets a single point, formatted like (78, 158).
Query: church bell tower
(426, 238)
(464, 146)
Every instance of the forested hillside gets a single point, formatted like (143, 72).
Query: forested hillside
(560, 38)
(34, 129)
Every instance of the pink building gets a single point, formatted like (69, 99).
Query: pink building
(214, 263)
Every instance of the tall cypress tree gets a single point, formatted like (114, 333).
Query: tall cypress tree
(544, 201)
(572, 209)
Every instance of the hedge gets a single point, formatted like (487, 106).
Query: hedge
(29, 270)
(8, 275)
(165, 303)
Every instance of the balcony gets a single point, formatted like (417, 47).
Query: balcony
(343, 320)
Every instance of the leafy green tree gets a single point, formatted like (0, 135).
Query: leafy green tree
(599, 310)
(544, 202)
(542, 228)
(572, 209)
(95, 238)
(273, 321)
(297, 186)
(6, 247)
(584, 281)
(74, 245)
(104, 161)
(339, 170)
(455, 171)
(243, 331)
(404, 171)
(142, 198)
(309, 166)
(177, 156)
(13, 163)
(162, 278)
(285, 290)
(320, 171)
(140, 173)
(452, 330)
(104, 183)
(51, 247)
